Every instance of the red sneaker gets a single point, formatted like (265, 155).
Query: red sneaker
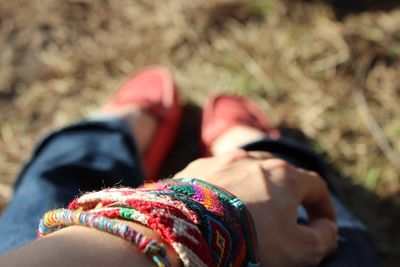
(153, 90)
(222, 112)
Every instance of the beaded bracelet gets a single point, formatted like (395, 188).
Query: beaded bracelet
(204, 224)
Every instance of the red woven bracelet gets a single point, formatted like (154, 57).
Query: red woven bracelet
(202, 223)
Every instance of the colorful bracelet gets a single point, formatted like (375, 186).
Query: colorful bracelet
(204, 224)
(245, 216)
(60, 218)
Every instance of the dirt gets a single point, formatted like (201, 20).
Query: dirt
(324, 70)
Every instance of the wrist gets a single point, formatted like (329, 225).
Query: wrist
(204, 224)
(80, 246)
(98, 248)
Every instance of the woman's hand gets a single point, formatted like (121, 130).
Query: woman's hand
(273, 190)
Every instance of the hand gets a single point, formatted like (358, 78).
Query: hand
(273, 190)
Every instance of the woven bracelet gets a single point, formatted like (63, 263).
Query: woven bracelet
(204, 224)
(60, 218)
(245, 216)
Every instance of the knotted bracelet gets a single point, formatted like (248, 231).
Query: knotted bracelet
(204, 224)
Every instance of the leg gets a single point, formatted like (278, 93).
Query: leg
(96, 153)
(86, 156)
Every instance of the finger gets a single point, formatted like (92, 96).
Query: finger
(306, 187)
(317, 240)
(314, 195)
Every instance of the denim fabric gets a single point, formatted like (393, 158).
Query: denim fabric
(86, 156)
(94, 154)
(354, 247)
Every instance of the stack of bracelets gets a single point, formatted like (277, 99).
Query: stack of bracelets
(204, 224)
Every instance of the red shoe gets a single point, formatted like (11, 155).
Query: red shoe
(222, 112)
(153, 90)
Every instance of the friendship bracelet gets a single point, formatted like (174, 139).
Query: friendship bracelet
(204, 224)
(57, 219)
(245, 216)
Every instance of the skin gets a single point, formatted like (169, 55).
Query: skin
(81, 246)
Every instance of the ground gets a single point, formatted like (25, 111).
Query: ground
(324, 71)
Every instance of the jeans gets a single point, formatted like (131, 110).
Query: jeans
(95, 154)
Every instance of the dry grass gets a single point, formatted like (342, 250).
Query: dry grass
(332, 75)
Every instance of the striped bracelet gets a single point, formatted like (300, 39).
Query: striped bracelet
(244, 215)
(204, 224)
(60, 218)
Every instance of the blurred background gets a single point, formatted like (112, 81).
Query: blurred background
(326, 72)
